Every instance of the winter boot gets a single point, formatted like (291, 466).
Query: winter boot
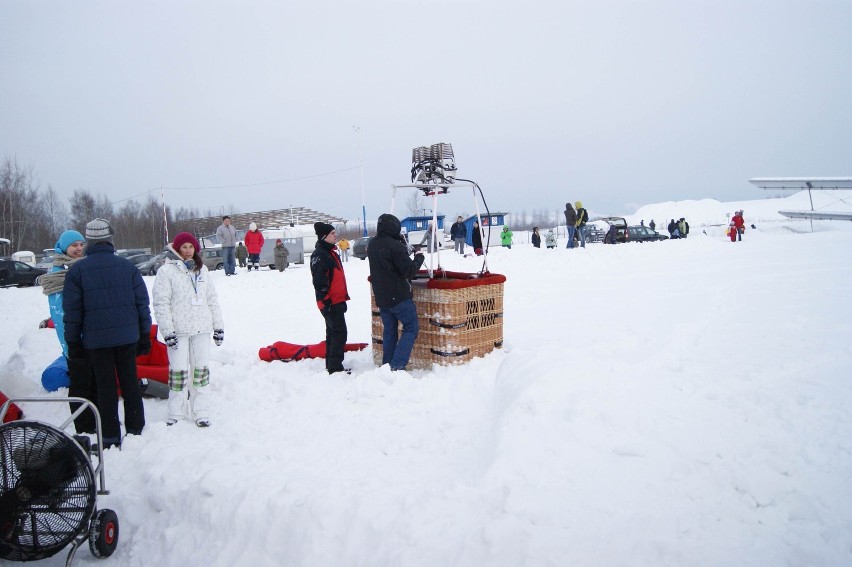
(201, 405)
(177, 411)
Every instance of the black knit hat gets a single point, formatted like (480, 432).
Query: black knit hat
(322, 229)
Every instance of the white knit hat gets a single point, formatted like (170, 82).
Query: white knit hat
(99, 229)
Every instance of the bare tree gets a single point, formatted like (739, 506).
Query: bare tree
(414, 203)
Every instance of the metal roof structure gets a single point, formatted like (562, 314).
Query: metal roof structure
(264, 219)
(807, 184)
(802, 183)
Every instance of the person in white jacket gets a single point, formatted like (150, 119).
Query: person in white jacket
(187, 311)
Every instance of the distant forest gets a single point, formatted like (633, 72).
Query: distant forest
(33, 218)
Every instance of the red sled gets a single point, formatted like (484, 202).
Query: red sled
(13, 413)
(289, 352)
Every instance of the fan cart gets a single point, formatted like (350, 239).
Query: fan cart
(48, 491)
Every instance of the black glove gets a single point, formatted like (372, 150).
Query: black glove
(76, 351)
(218, 336)
(171, 341)
(326, 306)
(143, 345)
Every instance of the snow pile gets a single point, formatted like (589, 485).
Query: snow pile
(675, 403)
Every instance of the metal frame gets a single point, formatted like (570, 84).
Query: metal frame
(433, 190)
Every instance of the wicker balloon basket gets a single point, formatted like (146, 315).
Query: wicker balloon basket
(460, 317)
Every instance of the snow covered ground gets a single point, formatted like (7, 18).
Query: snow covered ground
(674, 403)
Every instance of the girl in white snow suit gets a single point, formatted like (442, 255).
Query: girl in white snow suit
(187, 310)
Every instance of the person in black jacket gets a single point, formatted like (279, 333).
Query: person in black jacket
(536, 238)
(108, 322)
(476, 239)
(331, 294)
(390, 272)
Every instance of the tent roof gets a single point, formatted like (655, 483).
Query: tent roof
(800, 183)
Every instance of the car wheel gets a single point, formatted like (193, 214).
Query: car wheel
(219, 266)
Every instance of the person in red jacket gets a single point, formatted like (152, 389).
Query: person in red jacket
(331, 294)
(740, 224)
(254, 242)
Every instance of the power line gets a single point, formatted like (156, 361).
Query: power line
(238, 185)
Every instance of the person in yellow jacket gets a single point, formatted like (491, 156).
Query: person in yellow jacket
(582, 219)
(343, 246)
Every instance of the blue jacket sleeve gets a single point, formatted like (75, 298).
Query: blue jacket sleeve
(72, 305)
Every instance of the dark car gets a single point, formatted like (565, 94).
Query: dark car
(593, 233)
(643, 234)
(617, 231)
(359, 247)
(150, 267)
(14, 273)
(128, 252)
(139, 259)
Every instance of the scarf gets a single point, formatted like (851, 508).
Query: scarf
(53, 282)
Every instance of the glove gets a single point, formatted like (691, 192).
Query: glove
(171, 341)
(76, 351)
(218, 336)
(143, 345)
(326, 306)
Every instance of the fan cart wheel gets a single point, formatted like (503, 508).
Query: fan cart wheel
(103, 533)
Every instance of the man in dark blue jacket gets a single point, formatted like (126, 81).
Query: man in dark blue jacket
(390, 272)
(108, 321)
(458, 232)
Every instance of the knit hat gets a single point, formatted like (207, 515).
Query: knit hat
(182, 238)
(252, 226)
(578, 204)
(322, 229)
(99, 229)
(66, 239)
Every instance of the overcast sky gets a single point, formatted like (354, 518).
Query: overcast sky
(615, 103)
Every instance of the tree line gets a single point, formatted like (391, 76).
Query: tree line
(33, 218)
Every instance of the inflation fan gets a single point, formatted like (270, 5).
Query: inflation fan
(48, 489)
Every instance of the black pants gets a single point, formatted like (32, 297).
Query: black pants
(82, 385)
(335, 336)
(109, 363)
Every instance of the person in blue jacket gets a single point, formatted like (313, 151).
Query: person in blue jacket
(81, 381)
(108, 322)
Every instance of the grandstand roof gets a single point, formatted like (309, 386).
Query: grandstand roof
(266, 219)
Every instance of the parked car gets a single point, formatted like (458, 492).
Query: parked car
(139, 258)
(150, 267)
(643, 234)
(128, 252)
(594, 233)
(46, 263)
(359, 247)
(14, 273)
(212, 258)
(617, 231)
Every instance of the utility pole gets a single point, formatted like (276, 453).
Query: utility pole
(363, 192)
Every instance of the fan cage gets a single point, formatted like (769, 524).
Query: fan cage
(47, 490)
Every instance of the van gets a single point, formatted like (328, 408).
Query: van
(25, 256)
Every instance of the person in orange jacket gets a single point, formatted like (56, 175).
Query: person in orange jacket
(254, 242)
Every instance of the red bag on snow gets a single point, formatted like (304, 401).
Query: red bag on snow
(288, 351)
(13, 413)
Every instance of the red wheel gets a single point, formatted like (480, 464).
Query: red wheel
(103, 533)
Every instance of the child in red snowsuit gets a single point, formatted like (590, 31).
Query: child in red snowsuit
(732, 231)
